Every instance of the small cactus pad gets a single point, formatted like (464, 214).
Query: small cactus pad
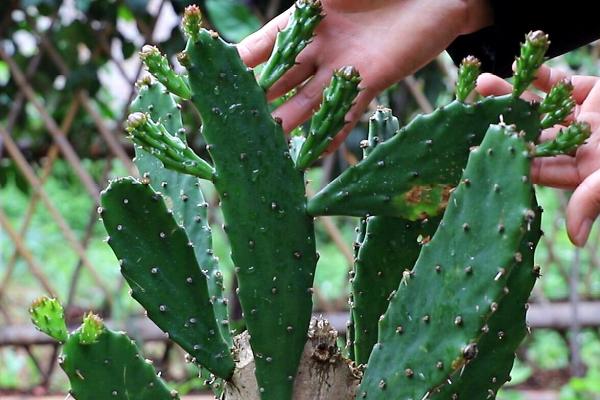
(338, 98)
(566, 141)
(158, 262)
(411, 175)
(439, 332)
(158, 65)
(191, 23)
(262, 195)
(558, 104)
(504, 331)
(292, 40)
(181, 193)
(532, 56)
(168, 148)
(109, 368)
(48, 316)
(469, 70)
(91, 328)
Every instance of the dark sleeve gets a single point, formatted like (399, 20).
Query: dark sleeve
(569, 25)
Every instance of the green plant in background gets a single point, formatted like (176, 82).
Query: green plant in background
(444, 259)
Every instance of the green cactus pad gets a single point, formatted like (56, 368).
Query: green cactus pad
(264, 207)
(91, 328)
(469, 70)
(158, 65)
(338, 98)
(506, 328)
(292, 40)
(170, 149)
(158, 262)
(110, 368)
(558, 104)
(387, 248)
(181, 193)
(389, 251)
(532, 56)
(412, 174)
(48, 316)
(566, 141)
(439, 332)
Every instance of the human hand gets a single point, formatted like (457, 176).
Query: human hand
(580, 172)
(385, 40)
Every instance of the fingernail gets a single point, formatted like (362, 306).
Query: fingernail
(583, 232)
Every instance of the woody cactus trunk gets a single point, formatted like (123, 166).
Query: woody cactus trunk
(444, 256)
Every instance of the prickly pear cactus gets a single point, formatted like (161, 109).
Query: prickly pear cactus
(463, 287)
(385, 255)
(100, 363)
(443, 258)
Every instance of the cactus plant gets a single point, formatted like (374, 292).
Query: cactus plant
(444, 253)
(101, 363)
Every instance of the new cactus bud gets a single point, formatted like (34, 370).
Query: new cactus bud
(338, 98)
(171, 150)
(566, 141)
(558, 104)
(292, 40)
(91, 329)
(192, 22)
(469, 70)
(158, 65)
(532, 56)
(48, 316)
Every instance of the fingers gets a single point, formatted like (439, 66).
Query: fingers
(492, 85)
(300, 107)
(559, 172)
(256, 48)
(294, 77)
(583, 208)
(547, 77)
(582, 84)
